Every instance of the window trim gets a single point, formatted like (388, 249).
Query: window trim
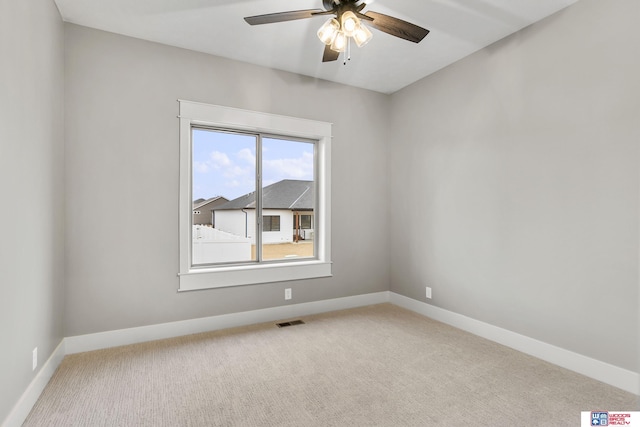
(199, 114)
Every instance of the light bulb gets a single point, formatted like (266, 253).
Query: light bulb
(362, 35)
(340, 42)
(350, 23)
(327, 33)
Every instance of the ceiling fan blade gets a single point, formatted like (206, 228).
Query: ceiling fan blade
(329, 55)
(397, 27)
(282, 16)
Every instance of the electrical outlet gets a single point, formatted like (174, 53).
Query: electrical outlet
(34, 359)
(428, 292)
(287, 294)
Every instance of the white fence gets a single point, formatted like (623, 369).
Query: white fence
(211, 246)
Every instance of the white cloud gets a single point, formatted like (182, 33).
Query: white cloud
(300, 168)
(234, 171)
(216, 161)
(246, 155)
(219, 160)
(201, 167)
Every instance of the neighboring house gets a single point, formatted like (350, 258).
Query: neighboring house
(203, 210)
(287, 210)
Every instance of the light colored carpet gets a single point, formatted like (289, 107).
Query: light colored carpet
(371, 366)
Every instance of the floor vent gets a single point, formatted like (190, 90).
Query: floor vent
(291, 323)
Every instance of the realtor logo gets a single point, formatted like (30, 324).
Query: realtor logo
(610, 418)
(599, 418)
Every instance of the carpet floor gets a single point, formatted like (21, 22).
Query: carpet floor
(371, 366)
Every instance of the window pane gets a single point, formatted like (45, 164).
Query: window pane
(223, 184)
(305, 222)
(288, 193)
(271, 223)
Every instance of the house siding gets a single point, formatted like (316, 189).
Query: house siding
(233, 221)
(205, 214)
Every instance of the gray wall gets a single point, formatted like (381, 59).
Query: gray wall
(516, 173)
(31, 185)
(122, 154)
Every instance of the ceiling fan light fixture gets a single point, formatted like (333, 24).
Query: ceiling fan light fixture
(340, 42)
(350, 23)
(327, 33)
(346, 22)
(362, 36)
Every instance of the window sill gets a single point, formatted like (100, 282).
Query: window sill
(223, 277)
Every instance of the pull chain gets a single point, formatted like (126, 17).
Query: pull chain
(347, 57)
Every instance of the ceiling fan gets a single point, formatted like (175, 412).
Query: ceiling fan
(348, 23)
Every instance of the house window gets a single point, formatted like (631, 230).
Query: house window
(268, 167)
(270, 223)
(305, 222)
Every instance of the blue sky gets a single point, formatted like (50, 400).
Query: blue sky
(224, 164)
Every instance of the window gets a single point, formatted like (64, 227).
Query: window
(305, 222)
(271, 223)
(270, 168)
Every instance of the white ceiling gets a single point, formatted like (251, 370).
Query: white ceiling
(386, 64)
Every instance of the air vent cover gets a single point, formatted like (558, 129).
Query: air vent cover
(291, 323)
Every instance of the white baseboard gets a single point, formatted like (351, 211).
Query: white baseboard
(609, 374)
(89, 342)
(21, 409)
(601, 371)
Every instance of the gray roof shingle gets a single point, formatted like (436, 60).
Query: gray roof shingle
(202, 202)
(286, 194)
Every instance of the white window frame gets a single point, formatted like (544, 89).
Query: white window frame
(199, 114)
